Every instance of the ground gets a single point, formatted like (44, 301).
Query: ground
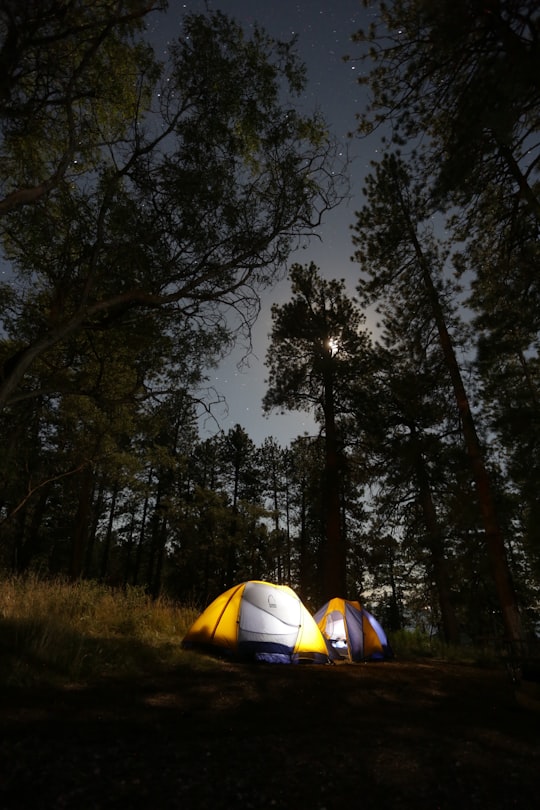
(272, 737)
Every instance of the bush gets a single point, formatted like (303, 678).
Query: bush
(411, 644)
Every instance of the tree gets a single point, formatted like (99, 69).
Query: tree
(505, 298)
(275, 484)
(400, 449)
(316, 340)
(216, 183)
(241, 480)
(459, 83)
(71, 75)
(398, 257)
(462, 79)
(305, 516)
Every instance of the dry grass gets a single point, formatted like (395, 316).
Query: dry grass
(54, 631)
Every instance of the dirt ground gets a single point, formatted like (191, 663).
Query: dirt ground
(393, 735)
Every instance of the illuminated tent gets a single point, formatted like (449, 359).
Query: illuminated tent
(351, 632)
(259, 621)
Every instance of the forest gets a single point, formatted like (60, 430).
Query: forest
(146, 205)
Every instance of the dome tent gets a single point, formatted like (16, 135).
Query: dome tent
(259, 621)
(352, 632)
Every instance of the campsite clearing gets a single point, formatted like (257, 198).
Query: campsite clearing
(218, 735)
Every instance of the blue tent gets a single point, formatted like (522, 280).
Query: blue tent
(351, 632)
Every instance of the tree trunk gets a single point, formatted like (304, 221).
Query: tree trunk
(140, 543)
(89, 569)
(436, 547)
(302, 549)
(82, 518)
(108, 536)
(129, 552)
(30, 539)
(288, 535)
(493, 534)
(161, 540)
(334, 552)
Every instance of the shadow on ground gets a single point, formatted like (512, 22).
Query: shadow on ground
(393, 735)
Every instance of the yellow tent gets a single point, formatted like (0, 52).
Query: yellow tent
(261, 621)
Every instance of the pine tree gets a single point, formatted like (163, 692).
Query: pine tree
(316, 340)
(399, 256)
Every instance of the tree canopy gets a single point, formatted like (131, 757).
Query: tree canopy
(207, 162)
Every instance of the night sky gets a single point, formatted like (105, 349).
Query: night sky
(324, 29)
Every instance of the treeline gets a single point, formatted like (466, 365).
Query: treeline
(187, 519)
(139, 233)
(144, 206)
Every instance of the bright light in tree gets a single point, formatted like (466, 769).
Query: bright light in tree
(333, 346)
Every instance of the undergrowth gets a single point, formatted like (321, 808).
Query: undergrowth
(58, 631)
(414, 644)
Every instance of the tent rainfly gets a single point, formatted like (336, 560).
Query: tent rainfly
(351, 632)
(259, 621)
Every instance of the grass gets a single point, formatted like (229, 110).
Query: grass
(58, 631)
(414, 644)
